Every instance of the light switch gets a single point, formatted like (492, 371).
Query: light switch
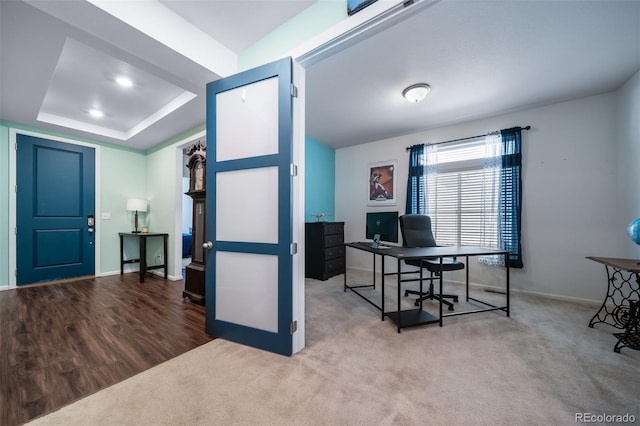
(106, 216)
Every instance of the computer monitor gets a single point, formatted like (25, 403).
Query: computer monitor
(383, 223)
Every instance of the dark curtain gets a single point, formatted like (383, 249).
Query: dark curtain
(416, 190)
(510, 201)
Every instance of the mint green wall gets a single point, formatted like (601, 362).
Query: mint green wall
(162, 186)
(312, 21)
(122, 176)
(4, 206)
(320, 168)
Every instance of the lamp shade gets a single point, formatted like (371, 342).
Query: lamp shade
(136, 205)
(416, 92)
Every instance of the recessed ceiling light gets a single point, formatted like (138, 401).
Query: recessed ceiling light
(124, 81)
(96, 113)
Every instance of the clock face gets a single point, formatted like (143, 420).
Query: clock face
(199, 178)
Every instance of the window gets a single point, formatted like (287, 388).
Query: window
(472, 190)
(462, 192)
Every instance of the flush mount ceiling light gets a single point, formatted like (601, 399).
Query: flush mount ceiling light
(415, 93)
(124, 81)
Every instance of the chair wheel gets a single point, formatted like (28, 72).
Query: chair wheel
(416, 303)
(451, 308)
(455, 299)
(406, 293)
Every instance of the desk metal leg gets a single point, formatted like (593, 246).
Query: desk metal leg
(506, 262)
(421, 283)
(467, 276)
(374, 270)
(355, 288)
(344, 288)
(374, 283)
(441, 285)
(399, 295)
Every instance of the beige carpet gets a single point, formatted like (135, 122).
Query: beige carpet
(539, 367)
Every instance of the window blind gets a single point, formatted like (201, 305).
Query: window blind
(458, 203)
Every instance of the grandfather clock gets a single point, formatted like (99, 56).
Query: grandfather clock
(194, 285)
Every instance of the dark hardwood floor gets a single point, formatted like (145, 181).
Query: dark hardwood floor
(62, 342)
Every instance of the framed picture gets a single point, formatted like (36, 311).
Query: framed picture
(381, 189)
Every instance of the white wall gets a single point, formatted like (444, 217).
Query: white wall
(187, 208)
(569, 201)
(628, 115)
(165, 168)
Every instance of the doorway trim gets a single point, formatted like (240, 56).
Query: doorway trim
(177, 230)
(368, 22)
(13, 134)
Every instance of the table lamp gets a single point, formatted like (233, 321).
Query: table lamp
(136, 205)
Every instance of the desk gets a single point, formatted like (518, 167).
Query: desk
(415, 317)
(142, 257)
(620, 289)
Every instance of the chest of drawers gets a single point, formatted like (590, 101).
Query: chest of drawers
(324, 250)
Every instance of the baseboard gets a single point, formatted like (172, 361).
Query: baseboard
(169, 277)
(533, 293)
(137, 271)
(110, 273)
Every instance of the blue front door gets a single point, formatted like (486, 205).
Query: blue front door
(55, 210)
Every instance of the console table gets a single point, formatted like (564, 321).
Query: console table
(415, 317)
(142, 257)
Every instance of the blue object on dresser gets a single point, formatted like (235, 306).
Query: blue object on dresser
(634, 230)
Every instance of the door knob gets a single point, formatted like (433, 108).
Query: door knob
(208, 245)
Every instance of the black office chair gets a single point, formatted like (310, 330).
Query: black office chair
(416, 232)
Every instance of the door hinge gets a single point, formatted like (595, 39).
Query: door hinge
(16, 189)
(293, 327)
(294, 170)
(294, 248)
(294, 91)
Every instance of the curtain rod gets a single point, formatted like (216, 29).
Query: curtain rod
(464, 139)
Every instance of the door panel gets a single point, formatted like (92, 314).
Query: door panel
(55, 197)
(47, 242)
(247, 211)
(236, 284)
(58, 182)
(252, 103)
(249, 132)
